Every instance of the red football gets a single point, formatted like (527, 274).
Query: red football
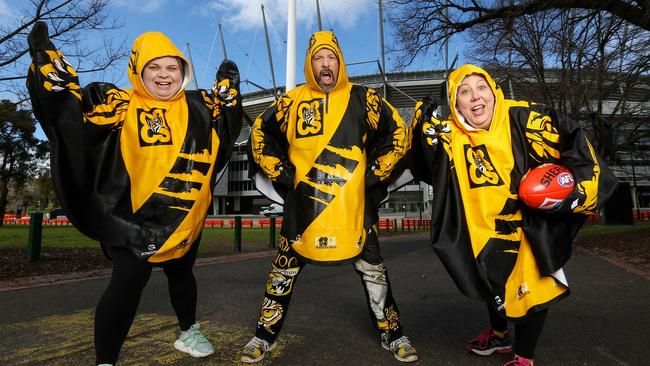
(546, 186)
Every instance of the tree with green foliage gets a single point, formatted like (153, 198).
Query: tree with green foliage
(80, 27)
(20, 151)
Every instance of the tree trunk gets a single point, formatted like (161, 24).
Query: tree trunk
(4, 192)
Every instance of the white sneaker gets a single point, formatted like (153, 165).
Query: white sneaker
(401, 348)
(255, 349)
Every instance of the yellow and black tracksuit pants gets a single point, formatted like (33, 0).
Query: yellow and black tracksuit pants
(284, 273)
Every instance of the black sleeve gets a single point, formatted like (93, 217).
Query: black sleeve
(58, 105)
(228, 110)
(268, 146)
(389, 142)
(595, 181)
(425, 140)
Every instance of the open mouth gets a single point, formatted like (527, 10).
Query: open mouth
(326, 76)
(478, 109)
(163, 84)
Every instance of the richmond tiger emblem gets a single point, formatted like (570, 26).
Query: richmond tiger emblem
(153, 129)
(480, 170)
(310, 119)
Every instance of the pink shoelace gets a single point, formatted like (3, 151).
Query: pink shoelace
(484, 337)
(518, 361)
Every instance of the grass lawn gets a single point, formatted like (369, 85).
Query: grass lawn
(598, 229)
(216, 241)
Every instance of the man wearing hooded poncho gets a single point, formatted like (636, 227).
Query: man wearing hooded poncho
(328, 150)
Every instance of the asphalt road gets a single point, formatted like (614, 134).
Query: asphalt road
(606, 320)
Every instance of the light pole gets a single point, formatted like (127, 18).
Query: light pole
(421, 200)
(636, 194)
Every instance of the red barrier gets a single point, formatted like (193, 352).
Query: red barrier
(267, 222)
(59, 222)
(213, 223)
(382, 224)
(593, 217)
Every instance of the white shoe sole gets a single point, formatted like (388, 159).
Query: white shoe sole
(490, 351)
(245, 359)
(183, 348)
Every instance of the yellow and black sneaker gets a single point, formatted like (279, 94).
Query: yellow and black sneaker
(255, 349)
(401, 348)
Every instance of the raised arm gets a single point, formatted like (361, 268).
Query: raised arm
(426, 132)
(53, 87)
(228, 110)
(57, 104)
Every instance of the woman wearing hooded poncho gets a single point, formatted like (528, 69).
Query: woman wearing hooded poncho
(134, 170)
(495, 248)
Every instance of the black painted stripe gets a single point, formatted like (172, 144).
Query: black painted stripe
(332, 159)
(309, 192)
(178, 185)
(187, 166)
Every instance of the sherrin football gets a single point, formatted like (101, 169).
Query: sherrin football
(546, 186)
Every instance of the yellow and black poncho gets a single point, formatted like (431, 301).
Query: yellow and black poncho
(329, 157)
(494, 247)
(131, 170)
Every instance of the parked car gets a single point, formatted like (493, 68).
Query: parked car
(273, 209)
(57, 213)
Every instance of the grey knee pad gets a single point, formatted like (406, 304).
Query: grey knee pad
(374, 278)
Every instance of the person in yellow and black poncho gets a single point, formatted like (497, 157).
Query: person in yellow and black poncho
(135, 168)
(495, 248)
(328, 150)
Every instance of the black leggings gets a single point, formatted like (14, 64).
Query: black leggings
(526, 333)
(119, 303)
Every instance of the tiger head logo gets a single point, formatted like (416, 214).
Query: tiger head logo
(322, 241)
(310, 120)
(481, 171)
(270, 314)
(154, 123)
(153, 128)
(308, 115)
